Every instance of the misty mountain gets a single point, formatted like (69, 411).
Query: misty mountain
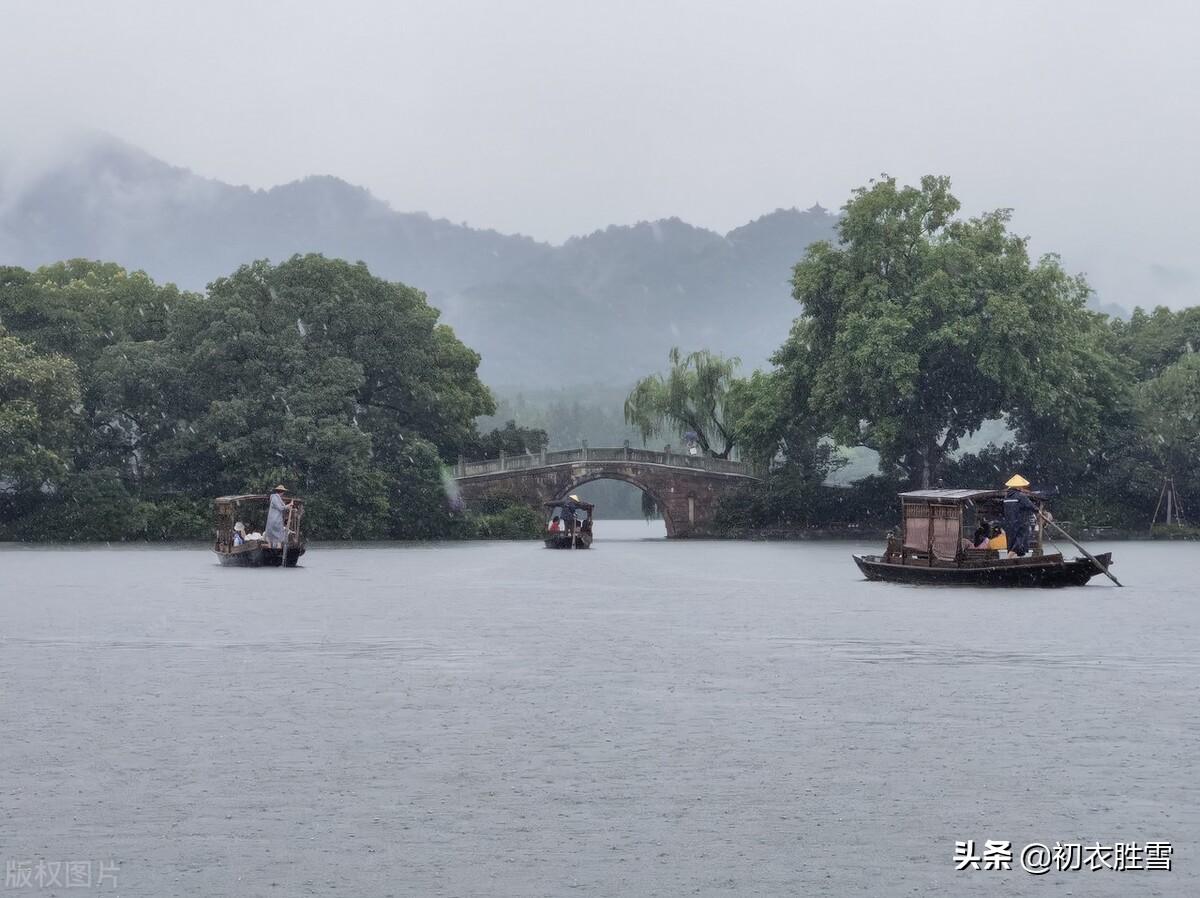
(600, 308)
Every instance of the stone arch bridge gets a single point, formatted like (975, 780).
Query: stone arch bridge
(686, 488)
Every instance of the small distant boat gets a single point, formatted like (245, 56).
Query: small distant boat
(245, 547)
(570, 525)
(933, 547)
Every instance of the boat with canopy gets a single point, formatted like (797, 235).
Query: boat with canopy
(239, 532)
(939, 542)
(570, 524)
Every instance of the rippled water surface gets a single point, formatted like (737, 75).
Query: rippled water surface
(646, 718)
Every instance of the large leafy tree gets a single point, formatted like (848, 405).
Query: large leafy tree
(1169, 406)
(773, 426)
(312, 372)
(112, 325)
(339, 383)
(39, 398)
(693, 396)
(918, 326)
(109, 322)
(1152, 341)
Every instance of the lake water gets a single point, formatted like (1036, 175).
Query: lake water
(647, 718)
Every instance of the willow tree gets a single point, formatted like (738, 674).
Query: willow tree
(693, 397)
(918, 327)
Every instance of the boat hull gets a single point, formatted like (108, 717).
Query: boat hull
(260, 556)
(1018, 573)
(563, 541)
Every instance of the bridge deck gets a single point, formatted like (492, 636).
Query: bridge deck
(506, 464)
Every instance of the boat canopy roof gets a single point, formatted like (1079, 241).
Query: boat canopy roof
(251, 497)
(571, 505)
(952, 496)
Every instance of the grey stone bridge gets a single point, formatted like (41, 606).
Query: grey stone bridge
(686, 488)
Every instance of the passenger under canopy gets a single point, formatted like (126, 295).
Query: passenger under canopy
(938, 521)
(570, 524)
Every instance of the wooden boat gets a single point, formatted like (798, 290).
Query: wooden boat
(934, 547)
(575, 534)
(231, 510)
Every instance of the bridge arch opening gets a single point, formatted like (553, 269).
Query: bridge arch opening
(580, 483)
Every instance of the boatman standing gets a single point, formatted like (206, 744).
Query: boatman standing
(276, 531)
(1018, 512)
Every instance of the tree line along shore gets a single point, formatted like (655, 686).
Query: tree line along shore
(127, 405)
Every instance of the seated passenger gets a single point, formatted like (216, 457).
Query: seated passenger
(999, 539)
(239, 533)
(555, 525)
(980, 539)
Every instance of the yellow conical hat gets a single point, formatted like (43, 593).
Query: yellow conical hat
(1017, 481)
(576, 498)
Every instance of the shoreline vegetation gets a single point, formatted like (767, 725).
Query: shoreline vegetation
(763, 534)
(127, 405)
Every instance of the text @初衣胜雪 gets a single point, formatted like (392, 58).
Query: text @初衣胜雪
(1039, 858)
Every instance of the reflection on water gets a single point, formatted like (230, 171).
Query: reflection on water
(647, 717)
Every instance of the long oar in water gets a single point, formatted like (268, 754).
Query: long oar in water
(1094, 559)
(287, 537)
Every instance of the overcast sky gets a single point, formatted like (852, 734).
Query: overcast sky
(556, 118)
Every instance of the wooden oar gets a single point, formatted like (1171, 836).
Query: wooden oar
(287, 513)
(288, 508)
(1094, 559)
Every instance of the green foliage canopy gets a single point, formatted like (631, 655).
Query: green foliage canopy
(312, 372)
(917, 327)
(39, 398)
(1169, 406)
(1153, 341)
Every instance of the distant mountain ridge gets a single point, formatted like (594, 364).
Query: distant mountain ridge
(601, 308)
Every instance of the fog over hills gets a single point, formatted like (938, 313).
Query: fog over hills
(601, 308)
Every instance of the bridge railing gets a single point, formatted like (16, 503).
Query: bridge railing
(625, 453)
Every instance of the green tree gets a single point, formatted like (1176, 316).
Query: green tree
(918, 327)
(693, 396)
(509, 439)
(109, 322)
(1153, 341)
(320, 375)
(39, 398)
(312, 372)
(1169, 408)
